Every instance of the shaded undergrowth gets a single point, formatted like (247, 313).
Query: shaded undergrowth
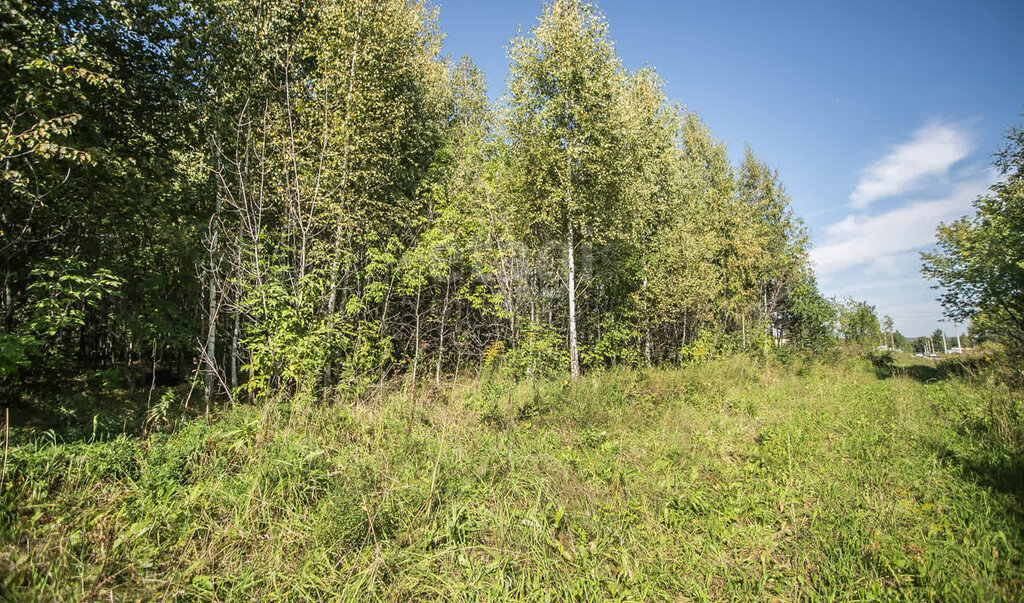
(724, 480)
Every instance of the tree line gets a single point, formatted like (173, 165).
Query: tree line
(308, 197)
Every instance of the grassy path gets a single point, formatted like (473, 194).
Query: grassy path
(722, 481)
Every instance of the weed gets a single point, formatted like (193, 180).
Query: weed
(725, 479)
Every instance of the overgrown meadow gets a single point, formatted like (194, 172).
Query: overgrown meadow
(295, 307)
(731, 479)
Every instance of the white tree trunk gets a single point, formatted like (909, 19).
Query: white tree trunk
(574, 352)
(648, 340)
(210, 347)
(339, 229)
(235, 332)
(332, 299)
(416, 356)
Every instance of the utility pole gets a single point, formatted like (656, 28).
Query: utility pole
(944, 352)
(956, 329)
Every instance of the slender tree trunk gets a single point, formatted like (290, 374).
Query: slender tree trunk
(415, 364)
(210, 353)
(339, 231)
(574, 352)
(440, 337)
(679, 352)
(152, 381)
(767, 322)
(340, 227)
(534, 294)
(416, 348)
(8, 300)
(648, 341)
(235, 331)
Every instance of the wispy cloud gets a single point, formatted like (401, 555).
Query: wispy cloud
(879, 241)
(931, 151)
(844, 289)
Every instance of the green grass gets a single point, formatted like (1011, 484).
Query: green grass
(727, 480)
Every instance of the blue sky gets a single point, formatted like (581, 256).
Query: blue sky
(881, 117)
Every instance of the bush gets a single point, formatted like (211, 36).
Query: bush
(883, 363)
(540, 353)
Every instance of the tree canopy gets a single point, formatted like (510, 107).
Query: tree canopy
(308, 198)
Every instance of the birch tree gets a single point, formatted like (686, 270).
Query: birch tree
(562, 137)
(779, 245)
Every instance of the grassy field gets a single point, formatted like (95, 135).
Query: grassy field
(727, 480)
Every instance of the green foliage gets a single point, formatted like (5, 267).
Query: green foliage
(978, 264)
(60, 296)
(560, 123)
(617, 344)
(579, 482)
(810, 319)
(46, 70)
(159, 414)
(539, 353)
(94, 181)
(884, 363)
(308, 198)
(13, 354)
(858, 323)
(304, 202)
(710, 344)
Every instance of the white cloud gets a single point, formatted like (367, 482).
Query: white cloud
(844, 289)
(931, 151)
(896, 264)
(914, 319)
(879, 241)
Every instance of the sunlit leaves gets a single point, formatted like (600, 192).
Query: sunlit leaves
(979, 263)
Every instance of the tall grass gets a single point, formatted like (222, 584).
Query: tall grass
(732, 479)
